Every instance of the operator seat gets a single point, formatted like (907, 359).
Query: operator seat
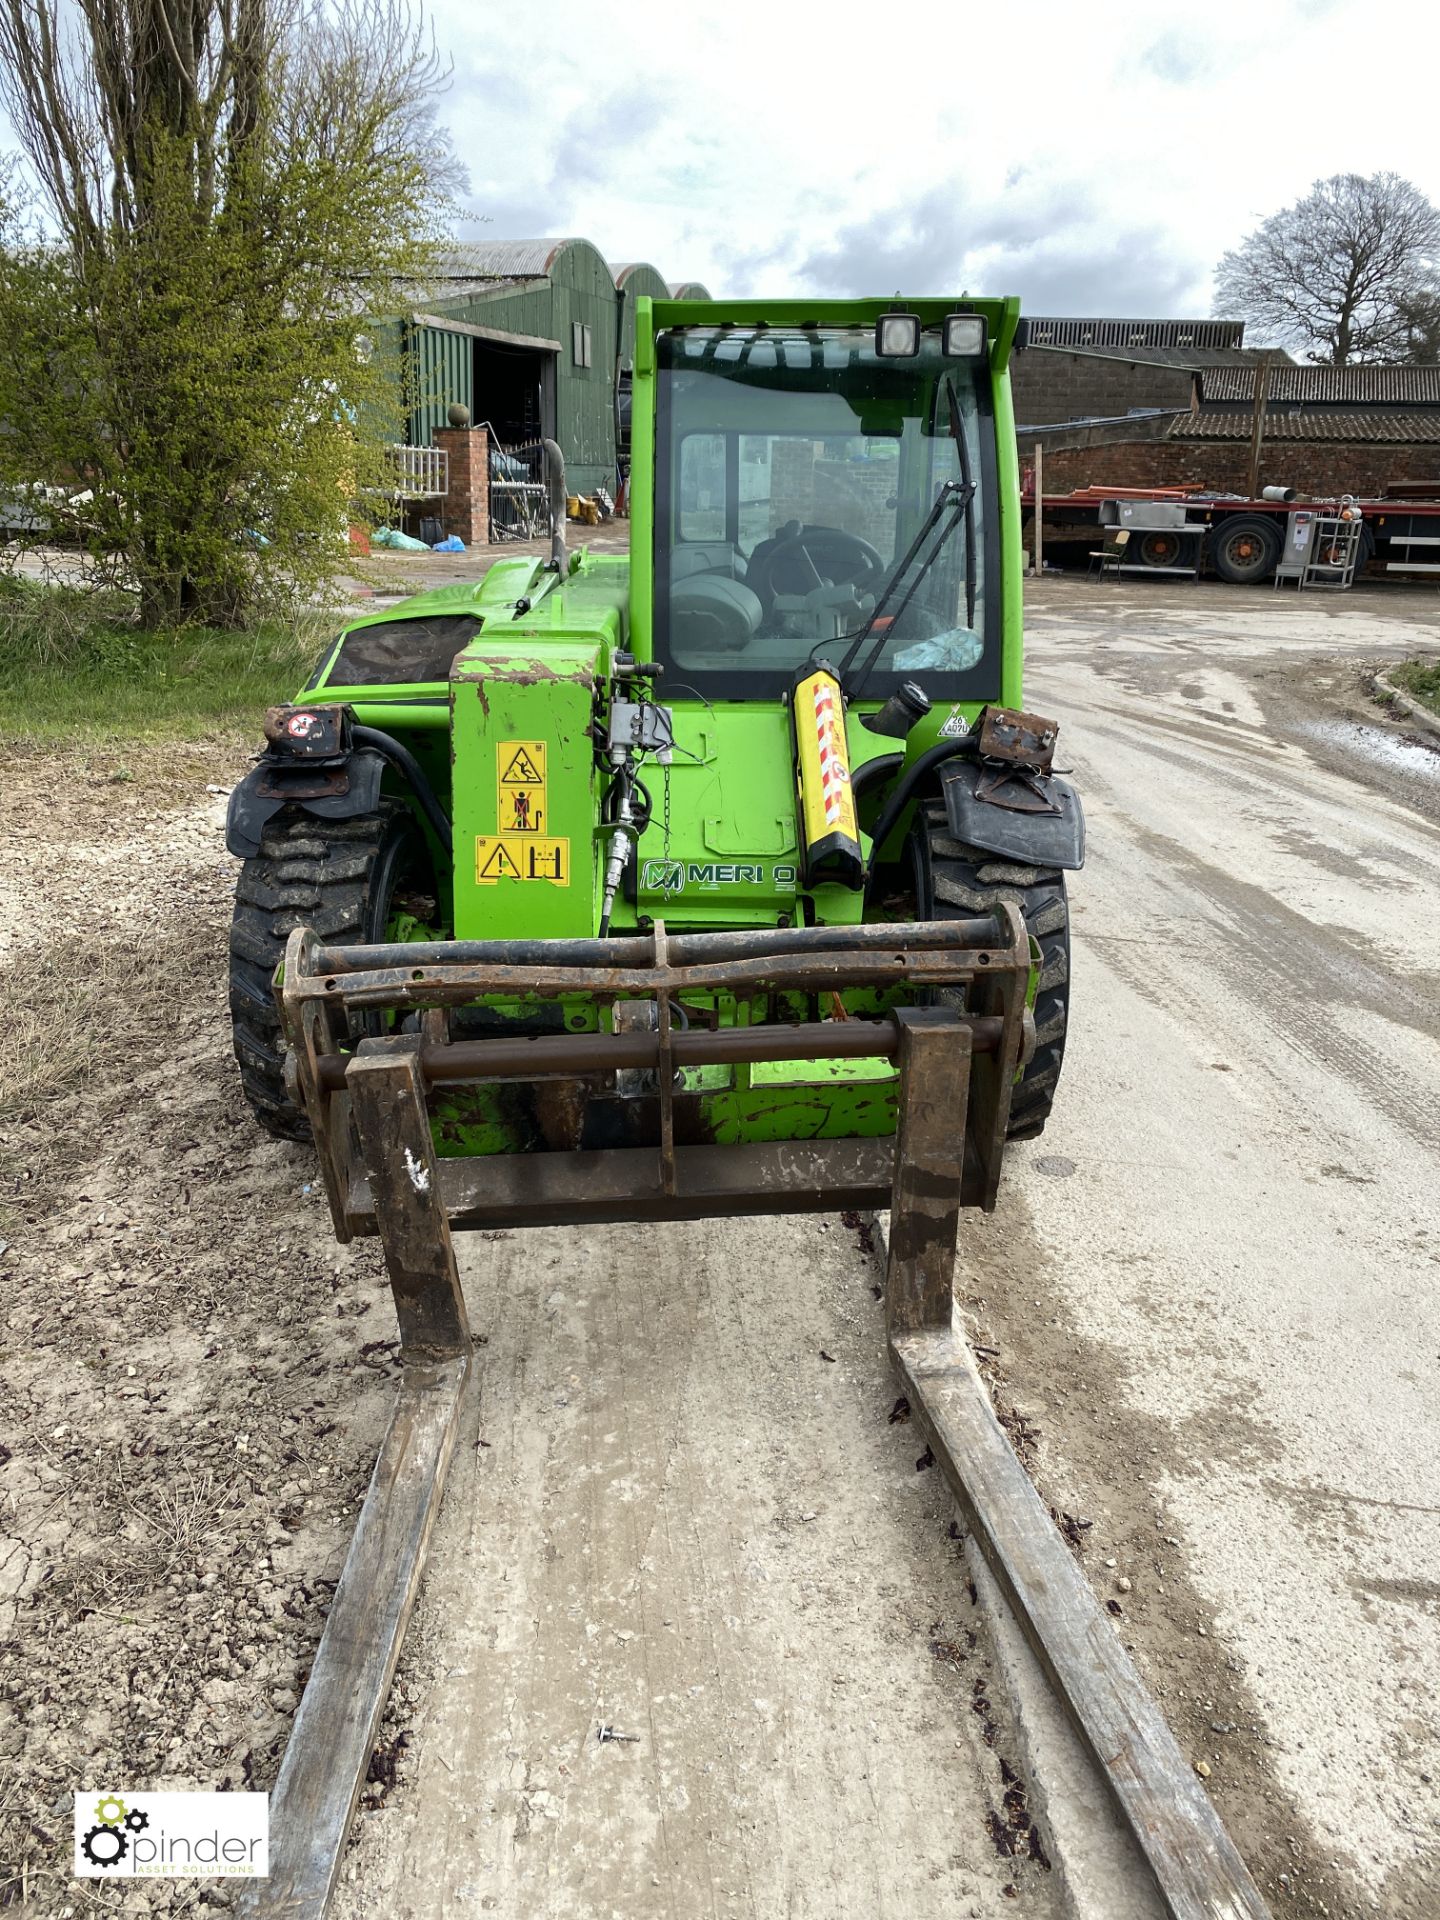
(710, 613)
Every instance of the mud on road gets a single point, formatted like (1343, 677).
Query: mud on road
(1209, 1291)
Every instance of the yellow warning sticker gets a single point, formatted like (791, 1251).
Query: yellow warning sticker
(521, 857)
(520, 770)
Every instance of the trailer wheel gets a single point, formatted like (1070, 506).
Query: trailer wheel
(954, 881)
(1159, 548)
(340, 877)
(1244, 549)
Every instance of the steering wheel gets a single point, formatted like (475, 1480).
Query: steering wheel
(812, 557)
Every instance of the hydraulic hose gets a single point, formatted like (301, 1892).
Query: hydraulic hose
(873, 770)
(622, 840)
(410, 769)
(905, 787)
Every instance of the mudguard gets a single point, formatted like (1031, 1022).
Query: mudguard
(1035, 823)
(339, 790)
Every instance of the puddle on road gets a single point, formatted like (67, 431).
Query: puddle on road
(1375, 744)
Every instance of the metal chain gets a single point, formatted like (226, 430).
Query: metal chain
(665, 833)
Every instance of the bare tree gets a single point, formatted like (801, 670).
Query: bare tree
(1342, 273)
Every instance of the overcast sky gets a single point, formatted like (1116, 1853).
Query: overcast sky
(1092, 160)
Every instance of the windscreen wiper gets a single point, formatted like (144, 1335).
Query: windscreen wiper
(959, 497)
(954, 499)
(962, 447)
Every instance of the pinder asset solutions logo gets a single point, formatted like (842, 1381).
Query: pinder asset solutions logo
(170, 1835)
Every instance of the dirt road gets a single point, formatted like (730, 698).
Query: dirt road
(1213, 1283)
(1210, 1287)
(1212, 1290)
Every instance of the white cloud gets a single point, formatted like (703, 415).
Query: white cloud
(1086, 161)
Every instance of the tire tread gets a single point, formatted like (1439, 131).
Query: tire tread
(966, 881)
(307, 873)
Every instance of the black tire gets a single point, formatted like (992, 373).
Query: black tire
(954, 881)
(339, 877)
(1160, 547)
(1245, 549)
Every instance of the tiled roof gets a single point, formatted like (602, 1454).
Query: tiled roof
(1326, 386)
(1321, 424)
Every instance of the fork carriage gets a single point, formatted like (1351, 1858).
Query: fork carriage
(681, 1106)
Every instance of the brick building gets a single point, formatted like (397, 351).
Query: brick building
(1367, 454)
(1070, 370)
(1366, 430)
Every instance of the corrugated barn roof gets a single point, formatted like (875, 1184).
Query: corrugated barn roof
(1326, 386)
(1044, 331)
(1325, 424)
(1189, 358)
(498, 263)
(514, 259)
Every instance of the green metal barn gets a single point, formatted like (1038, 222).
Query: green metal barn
(632, 279)
(535, 337)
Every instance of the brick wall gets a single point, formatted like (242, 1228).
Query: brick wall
(855, 495)
(792, 482)
(1051, 386)
(465, 509)
(1223, 466)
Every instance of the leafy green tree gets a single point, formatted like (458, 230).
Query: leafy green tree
(1344, 274)
(218, 192)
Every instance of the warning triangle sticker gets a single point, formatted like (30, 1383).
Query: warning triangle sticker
(522, 771)
(497, 863)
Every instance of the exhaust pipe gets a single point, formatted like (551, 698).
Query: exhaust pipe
(555, 478)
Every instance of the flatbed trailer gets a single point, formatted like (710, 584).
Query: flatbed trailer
(1242, 539)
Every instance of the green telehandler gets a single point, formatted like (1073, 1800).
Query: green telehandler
(726, 876)
(789, 713)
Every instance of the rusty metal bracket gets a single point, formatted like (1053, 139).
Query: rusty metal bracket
(325, 990)
(665, 1065)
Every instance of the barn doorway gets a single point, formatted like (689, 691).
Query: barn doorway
(515, 391)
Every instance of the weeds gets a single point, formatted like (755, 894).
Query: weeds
(1421, 680)
(179, 1518)
(74, 666)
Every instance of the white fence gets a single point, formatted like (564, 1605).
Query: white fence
(421, 473)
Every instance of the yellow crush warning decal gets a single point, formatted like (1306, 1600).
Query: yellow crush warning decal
(520, 770)
(521, 856)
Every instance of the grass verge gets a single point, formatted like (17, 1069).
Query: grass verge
(1420, 679)
(73, 669)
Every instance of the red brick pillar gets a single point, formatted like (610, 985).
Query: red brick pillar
(465, 509)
